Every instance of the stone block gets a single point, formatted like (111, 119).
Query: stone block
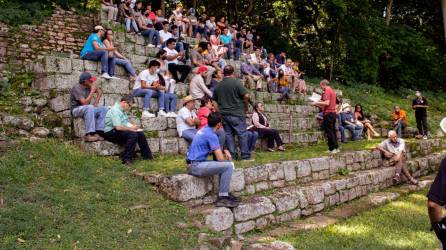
(52, 64)
(244, 227)
(285, 201)
(92, 65)
(289, 170)
(237, 181)
(154, 124)
(319, 164)
(79, 127)
(60, 103)
(303, 168)
(265, 221)
(276, 245)
(256, 174)
(136, 59)
(329, 188)
(154, 144)
(110, 99)
(256, 207)
(275, 171)
(169, 145)
(151, 52)
(102, 148)
(77, 65)
(114, 86)
(140, 40)
(219, 219)
(183, 187)
(140, 50)
(183, 145)
(262, 186)
(314, 194)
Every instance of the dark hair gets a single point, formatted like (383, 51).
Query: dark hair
(204, 101)
(214, 118)
(214, 75)
(170, 41)
(106, 32)
(160, 53)
(127, 98)
(360, 112)
(256, 106)
(174, 27)
(228, 70)
(154, 63)
(165, 22)
(203, 45)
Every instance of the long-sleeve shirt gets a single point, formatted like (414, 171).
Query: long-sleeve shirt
(249, 69)
(256, 120)
(198, 88)
(400, 115)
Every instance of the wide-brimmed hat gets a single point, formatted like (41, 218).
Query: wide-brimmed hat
(345, 105)
(187, 99)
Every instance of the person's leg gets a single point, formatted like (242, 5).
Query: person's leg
(127, 24)
(111, 65)
(173, 68)
(127, 65)
(358, 131)
(184, 70)
(109, 10)
(151, 34)
(352, 131)
(277, 138)
(398, 129)
(115, 13)
(189, 134)
(268, 134)
(329, 126)
(131, 139)
(211, 71)
(221, 138)
(135, 26)
(147, 94)
(419, 124)
(99, 55)
(100, 113)
(342, 132)
(239, 126)
(157, 38)
(160, 96)
(146, 153)
(237, 54)
(88, 113)
(252, 140)
(425, 126)
(173, 102)
(209, 168)
(229, 131)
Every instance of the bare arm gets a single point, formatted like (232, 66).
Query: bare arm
(97, 47)
(435, 212)
(124, 128)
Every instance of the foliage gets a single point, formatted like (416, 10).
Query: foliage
(343, 171)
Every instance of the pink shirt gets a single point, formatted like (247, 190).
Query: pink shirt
(203, 114)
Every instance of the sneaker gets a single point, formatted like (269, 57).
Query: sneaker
(161, 113)
(171, 114)
(233, 198)
(248, 160)
(226, 202)
(147, 114)
(150, 46)
(425, 137)
(106, 76)
(114, 77)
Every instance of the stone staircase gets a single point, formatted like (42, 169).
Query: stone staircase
(276, 192)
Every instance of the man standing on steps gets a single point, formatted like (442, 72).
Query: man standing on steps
(328, 106)
(435, 204)
(394, 149)
(81, 97)
(204, 142)
(420, 106)
(231, 99)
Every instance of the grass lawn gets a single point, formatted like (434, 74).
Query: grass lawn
(53, 196)
(402, 224)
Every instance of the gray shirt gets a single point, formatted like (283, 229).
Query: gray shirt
(393, 147)
(76, 94)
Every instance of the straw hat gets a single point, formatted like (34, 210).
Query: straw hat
(187, 99)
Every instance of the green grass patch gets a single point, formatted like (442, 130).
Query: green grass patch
(402, 224)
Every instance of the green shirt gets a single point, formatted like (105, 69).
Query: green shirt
(115, 117)
(229, 96)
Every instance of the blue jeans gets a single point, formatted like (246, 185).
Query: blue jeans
(235, 125)
(208, 168)
(170, 102)
(148, 94)
(150, 33)
(107, 63)
(252, 139)
(127, 65)
(94, 117)
(129, 22)
(399, 127)
(355, 130)
(189, 134)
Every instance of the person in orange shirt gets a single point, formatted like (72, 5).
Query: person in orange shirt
(399, 119)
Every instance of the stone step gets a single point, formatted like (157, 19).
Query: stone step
(294, 202)
(252, 180)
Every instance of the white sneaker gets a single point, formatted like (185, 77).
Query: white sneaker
(106, 76)
(150, 46)
(147, 114)
(114, 77)
(161, 113)
(171, 114)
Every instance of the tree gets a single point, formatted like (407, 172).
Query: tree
(443, 8)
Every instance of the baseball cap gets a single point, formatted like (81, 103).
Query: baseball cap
(86, 76)
(98, 27)
(201, 69)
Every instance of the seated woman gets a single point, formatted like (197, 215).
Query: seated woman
(218, 49)
(260, 122)
(205, 109)
(119, 58)
(299, 85)
(359, 116)
(284, 89)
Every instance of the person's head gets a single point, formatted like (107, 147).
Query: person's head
(202, 46)
(206, 102)
(289, 62)
(258, 51)
(283, 54)
(228, 70)
(159, 12)
(281, 73)
(174, 29)
(418, 94)
(128, 2)
(170, 43)
(202, 70)
(218, 74)
(99, 30)
(259, 107)
(348, 109)
(215, 120)
(271, 56)
(161, 54)
(358, 108)
(324, 83)
(189, 102)
(225, 31)
(212, 18)
(109, 34)
(296, 63)
(165, 26)
(191, 11)
(179, 7)
(397, 109)
(222, 19)
(126, 102)
(86, 79)
(392, 135)
(154, 66)
(149, 7)
(138, 5)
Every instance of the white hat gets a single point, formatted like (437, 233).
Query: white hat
(345, 105)
(98, 27)
(443, 125)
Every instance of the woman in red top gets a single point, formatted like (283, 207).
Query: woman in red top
(205, 109)
(359, 116)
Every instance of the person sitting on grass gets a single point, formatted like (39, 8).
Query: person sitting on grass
(349, 122)
(119, 130)
(81, 97)
(187, 121)
(394, 150)
(399, 120)
(262, 126)
(204, 142)
(359, 116)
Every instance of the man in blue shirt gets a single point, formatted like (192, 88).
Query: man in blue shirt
(226, 40)
(94, 50)
(204, 142)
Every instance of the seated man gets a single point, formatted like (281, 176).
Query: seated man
(198, 88)
(81, 97)
(172, 62)
(394, 150)
(253, 75)
(95, 50)
(399, 120)
(187, 120)
(204, 142)
(349, 122)
(435, 204)
(199, 59)
(148, 85)
(119, 130)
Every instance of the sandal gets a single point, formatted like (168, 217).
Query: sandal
(413, 181)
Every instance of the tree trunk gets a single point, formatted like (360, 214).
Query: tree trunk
(389, 11)
(163, 7)
(443, 8)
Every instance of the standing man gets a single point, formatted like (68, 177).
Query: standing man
(328, 106)
(81, 97)
(420, 106)
(231, 100)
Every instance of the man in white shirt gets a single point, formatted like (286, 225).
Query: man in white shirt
(172, 62)
(394, 149)
(165, 34)
(187, 120)
(148, 85)
(210, 26)
(197, 88)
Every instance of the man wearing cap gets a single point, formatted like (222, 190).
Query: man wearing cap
(198, 59)
(420, 106)
(349, 122)
(187, 120)
(81, 97)
(198, 88)
(119, 130)
(95, 50)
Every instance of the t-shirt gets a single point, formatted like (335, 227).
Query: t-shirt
(420, 111)
(393, 147)
(204, 142)
(115, 117)
(88, 46)
(197, 57)
(183, 114)
(171, 52)
(229, 96)
(330, 95)
(76, 94)
(225, 39)
(203, 114)
(145, 76)
(437, 192)
(165, 35)
(400, 115)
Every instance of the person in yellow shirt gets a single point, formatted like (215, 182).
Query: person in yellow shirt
(284, 87)
(399, 120)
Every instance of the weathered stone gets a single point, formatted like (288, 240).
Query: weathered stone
(244, 227)
(329, 189)
(10, 120)
(60, 103)
(58, 132)
(103, 148)
(276, 245)
(262, 186)
(275, 171)
(289, 170)
(183, 187)
(169, 145)
(256, 174)
(254, 208)
(26, 101)
(52, 64)
(25, 123)
(39, 102)
(154, 124)
(114, 86)
(219, 219)
(285, 201)
(265, 221)
(237, 181)
(40, 132)
(303, 168)
(319, 164)
(183, 145)
(314, 194)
